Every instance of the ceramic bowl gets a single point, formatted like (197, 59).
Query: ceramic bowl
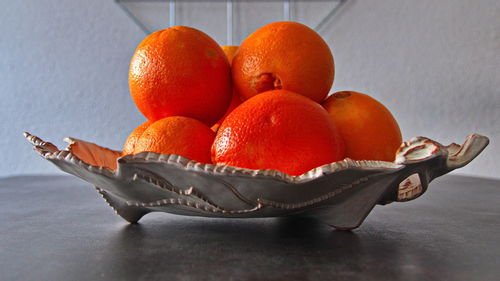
(340, 194)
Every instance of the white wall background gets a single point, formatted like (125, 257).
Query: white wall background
(434, 64)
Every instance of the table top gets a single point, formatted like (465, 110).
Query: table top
(59, 228)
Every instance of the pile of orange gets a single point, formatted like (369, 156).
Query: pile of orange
(260, 105)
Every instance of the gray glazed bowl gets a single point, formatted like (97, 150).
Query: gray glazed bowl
(340, 194)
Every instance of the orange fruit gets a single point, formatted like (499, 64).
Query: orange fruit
(368, 128)
(180, 71)
(128, 147)
(278, 130)
(230, 51)
(235, 102)
(178, 135)
(235, 98)
(284, 55)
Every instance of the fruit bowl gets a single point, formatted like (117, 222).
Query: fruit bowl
(340, 194)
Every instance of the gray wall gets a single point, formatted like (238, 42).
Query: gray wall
(63, 67)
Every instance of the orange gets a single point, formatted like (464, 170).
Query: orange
(368, 128)
(180, 71)
(128, 147)
(235, 102)
(278, 130)
(235, 98)
(284, 55)
(178, 135)
(230, 51)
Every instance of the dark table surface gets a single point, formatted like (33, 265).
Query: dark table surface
(58, 228)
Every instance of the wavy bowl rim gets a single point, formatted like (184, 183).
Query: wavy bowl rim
(227, 170)
(49, 150)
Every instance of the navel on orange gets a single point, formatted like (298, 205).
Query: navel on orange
(284, 55)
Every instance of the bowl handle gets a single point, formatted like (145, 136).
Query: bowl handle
(40, 145)
(459, 156)
(425, 160)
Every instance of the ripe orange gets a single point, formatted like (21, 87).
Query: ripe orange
(235, 102)
(230, 51)
(128, 147)
(180, 71)
(284, 55)
(178, 135)
(368, 128)
(278, 130)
